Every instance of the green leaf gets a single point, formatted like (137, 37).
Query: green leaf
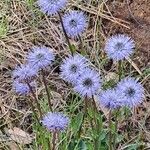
(73, 48)
(82, 145)
(103, 135)
(119, 138)
(132, 146)
(76, 123)
(109, 84)
(3, 27)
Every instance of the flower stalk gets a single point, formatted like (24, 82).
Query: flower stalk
(35, 98)
(116, 128)
(120, 69)
(54, 138)
(110, 131)
(96, 142)
(66, 36)
(33, 110)
(47, 91)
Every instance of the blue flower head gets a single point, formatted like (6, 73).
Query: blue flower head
(25, 72)
(88, 83)
(119, 47)
(40, 57)
(72, 67)
(55, 121)
(132, 91)
(22, 88)
(75, 23)
(51, 6)
(110, 99)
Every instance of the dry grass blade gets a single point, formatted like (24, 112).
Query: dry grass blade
(95, 11)
(134, 66)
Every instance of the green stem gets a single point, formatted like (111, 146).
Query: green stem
(85, 106)
(96, 140)
(84, 115)
(33, 110)
(116, 127)
(83, 52)
(54, 140)
(66, 36)
(120, 69)
(126, 111)
(49, 144)
(110, 132)
(94, 110)
(47, 91)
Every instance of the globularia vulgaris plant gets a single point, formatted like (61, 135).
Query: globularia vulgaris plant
(85, 128)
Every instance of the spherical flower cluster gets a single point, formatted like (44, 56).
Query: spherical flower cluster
(25, 72)
(76, 70)
(51, 6)
(40, 57)
(75, 23)
(22, 88)
(119, 47)
(110, 99)
(72, 67)
(88, 83)
(132, 92)
(55, 121)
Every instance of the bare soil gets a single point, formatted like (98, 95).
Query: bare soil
(137, 13)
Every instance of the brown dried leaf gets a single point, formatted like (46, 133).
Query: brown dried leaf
(13, 146)
(20, 136)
